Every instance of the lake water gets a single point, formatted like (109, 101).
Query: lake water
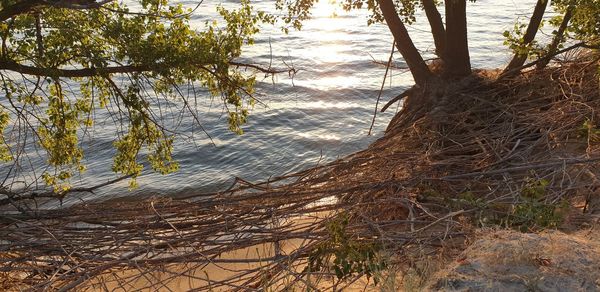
(323, 113)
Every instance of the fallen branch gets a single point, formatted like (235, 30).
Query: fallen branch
(15, 197)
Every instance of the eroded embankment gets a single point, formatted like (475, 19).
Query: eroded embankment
(514, 261)
(520, 153)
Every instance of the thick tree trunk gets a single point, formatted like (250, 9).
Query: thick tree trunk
(404, 43)
(437, 26)
(558, 37)
(534, 24)
(457, 62)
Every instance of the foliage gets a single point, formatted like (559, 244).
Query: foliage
(514, 41)
(529, 210)
(346, 256)
(532, 212)
(63, 62)
(589, 131)
(585, 24)
(4, 149)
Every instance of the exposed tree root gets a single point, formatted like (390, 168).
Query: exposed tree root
(478, 152)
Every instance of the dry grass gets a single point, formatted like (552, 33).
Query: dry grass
(460, 155)
(512, 261)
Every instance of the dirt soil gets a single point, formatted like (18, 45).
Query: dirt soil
(514, 261)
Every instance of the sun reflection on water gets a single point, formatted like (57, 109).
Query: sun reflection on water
(320, 136)
(336, 82)
(325, 8)
(334, 44)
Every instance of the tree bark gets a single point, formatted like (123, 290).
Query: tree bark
(534, 25)
(437, 26)
(69, 73)
(26, 6)
(404, 43)
(558, 37)
(457, 62)
(11, 65)
(19, 8)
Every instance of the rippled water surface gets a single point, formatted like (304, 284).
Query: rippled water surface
(324, 112)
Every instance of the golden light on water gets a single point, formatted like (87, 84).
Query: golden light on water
(330, 43)
(336, 82)
(325, 8)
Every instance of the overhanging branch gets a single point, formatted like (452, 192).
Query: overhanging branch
(19, 8)
(77, 6)
(22, 7)
(268, 70)
(15, 197)
(11, 65)
(69, 73)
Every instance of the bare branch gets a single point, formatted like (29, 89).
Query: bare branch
(12, 196)
(268, 70)
(547, 57)
(90, 72)
(396, 99)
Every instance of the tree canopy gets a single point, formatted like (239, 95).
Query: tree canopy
(60, 61)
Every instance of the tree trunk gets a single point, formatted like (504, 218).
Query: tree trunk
(457, 62)
(437, 26)
(404, 43)
(558, 37)
(534, 24)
